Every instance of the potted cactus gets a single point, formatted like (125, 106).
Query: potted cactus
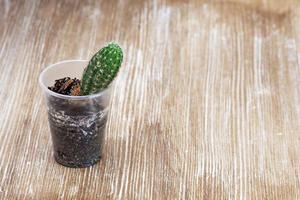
(77, 109)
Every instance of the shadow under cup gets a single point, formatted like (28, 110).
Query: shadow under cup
(77, 123)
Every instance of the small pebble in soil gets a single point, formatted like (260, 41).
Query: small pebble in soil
(66, 86)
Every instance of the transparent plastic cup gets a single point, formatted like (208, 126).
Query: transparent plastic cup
(77, 123)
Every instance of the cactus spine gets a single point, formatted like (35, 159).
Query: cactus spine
(102, 69)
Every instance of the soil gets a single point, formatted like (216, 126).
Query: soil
(77, 126)
(66, 86)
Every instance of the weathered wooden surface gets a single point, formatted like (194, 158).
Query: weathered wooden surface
(206, 105)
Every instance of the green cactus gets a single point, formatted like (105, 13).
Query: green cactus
(102, 69)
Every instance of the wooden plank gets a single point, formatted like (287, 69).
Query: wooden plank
(206, 105)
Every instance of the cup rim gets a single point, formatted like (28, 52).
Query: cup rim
(45, 88)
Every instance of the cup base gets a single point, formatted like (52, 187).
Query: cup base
(77, 165)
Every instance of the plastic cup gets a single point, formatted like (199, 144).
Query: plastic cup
(77, 123)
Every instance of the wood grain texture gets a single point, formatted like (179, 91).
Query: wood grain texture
(206, 105)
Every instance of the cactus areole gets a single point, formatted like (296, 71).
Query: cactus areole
(102, 69)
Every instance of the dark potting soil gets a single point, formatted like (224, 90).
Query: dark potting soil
(66, 86)
(77, 128)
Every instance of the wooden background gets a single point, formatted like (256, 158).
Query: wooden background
(206, 105)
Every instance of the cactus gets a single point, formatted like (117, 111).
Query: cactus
(102, 69)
